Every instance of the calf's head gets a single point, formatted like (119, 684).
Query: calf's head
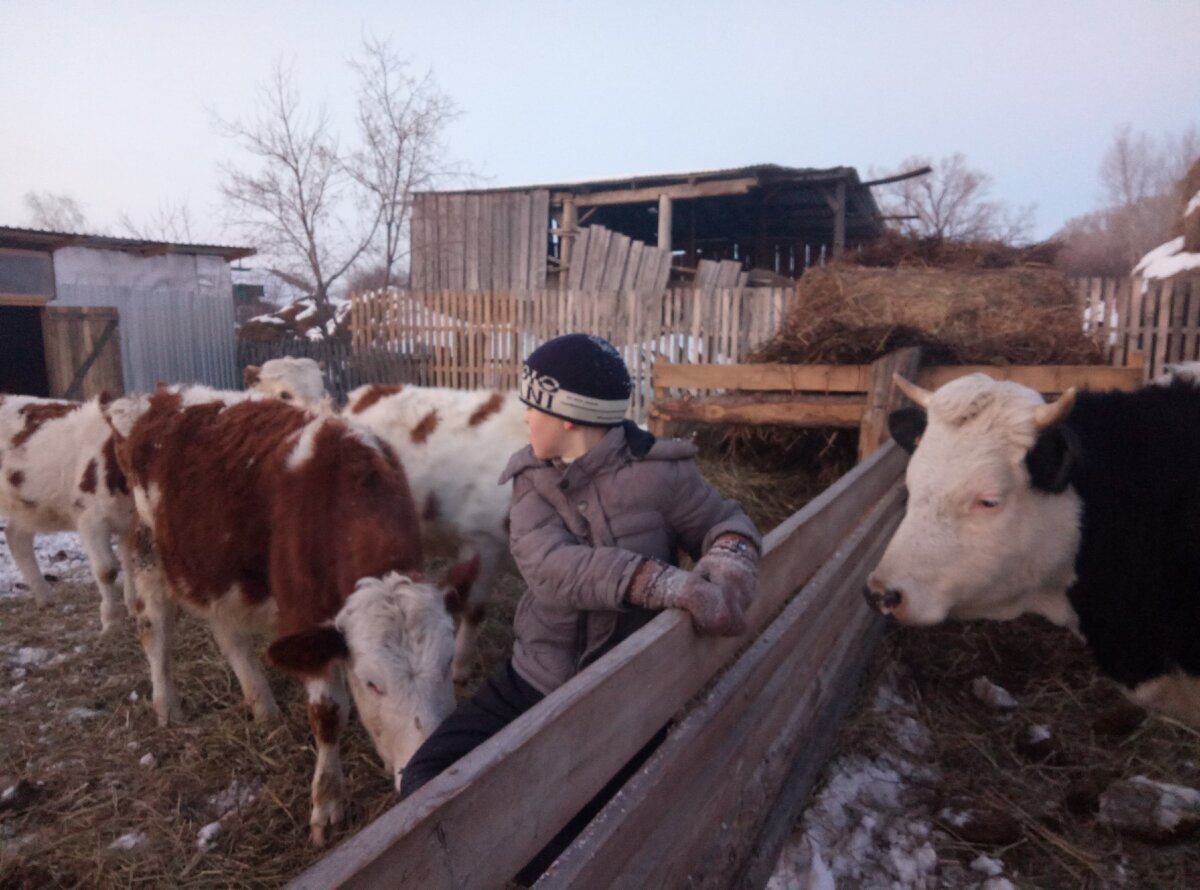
(395, 636)
(991, 527)
(298, 381)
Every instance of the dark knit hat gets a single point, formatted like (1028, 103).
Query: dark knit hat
(577, 377)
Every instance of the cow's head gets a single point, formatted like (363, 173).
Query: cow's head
(395, 636)
(992, 527)
(298, 381)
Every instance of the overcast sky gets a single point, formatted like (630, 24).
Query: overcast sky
(112, 102)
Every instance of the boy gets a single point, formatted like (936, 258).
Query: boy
(599, 511)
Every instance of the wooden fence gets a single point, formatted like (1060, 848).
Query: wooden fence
(714, 805)
(1160, 318)
(478, 339)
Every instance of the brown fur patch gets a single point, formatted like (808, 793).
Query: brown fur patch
(373, 395)
(324, 719)
(430, 512)
(114, 479)
(88, 483)
(36, 414)
(476, 614)
(425, 428)
(108, 576)
(486, 410)
(16, 478)
(250, 375)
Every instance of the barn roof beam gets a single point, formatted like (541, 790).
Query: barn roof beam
(651, 194)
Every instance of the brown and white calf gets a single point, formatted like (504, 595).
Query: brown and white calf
(454, 445)
(254, 513)
(58, 472)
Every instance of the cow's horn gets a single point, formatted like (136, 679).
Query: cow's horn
(914, 392)
(1047, 415)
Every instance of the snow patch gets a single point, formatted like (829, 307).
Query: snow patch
(990, 694)
(130, 841)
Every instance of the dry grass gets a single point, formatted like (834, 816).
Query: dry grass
(1040, 800)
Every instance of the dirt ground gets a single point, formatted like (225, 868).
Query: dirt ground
(94, 794)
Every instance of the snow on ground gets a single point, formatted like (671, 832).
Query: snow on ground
(871, 827)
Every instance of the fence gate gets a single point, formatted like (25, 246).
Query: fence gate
(83, 351)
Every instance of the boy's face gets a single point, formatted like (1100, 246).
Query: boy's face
(547, 434)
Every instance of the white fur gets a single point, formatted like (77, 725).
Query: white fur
(952, 557)
(295, 380)
(53, 462)
(459, 465)
(1186, 372)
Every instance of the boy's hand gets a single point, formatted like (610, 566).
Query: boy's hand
(731, 563)
(658, 586)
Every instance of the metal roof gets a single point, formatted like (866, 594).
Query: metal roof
(43, 239)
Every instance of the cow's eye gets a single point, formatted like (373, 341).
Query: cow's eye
(989, 502)
(286, 396)
(374, 687)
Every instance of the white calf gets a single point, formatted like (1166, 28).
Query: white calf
(453, 445)
(58, 472)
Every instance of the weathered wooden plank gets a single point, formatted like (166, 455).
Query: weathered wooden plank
(522, 210)
(633, 265)
(480, 821)
(615, 262)
(593, 273)
(689, 816)
(487, 236)
(471, 243)
(766, 377)
(501, 267)
(456, 215)
(1044, 378)
(579, 253)
(764, 408)
(418, 246)
(882, 397)
(539, 236)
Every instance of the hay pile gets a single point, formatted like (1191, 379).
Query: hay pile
(847, 314)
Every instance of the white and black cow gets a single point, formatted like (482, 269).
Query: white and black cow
(257, 515)
(58, 472)
(1085, 511)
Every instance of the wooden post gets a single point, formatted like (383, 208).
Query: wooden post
(664, 223)
(881, 399)
(839, 219)
(566, 236)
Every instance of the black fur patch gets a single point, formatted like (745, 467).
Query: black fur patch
(907, 425)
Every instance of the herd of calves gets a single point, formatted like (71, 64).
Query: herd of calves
(266, 510)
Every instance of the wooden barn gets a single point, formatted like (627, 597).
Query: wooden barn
(68, 300)
(715, 228)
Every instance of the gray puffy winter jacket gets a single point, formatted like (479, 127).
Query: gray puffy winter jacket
(578, 533)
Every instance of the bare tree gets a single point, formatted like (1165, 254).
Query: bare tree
(952, 203)
(401, 119)
(297, 205)
(1139, 200)
(171, 222)
(58, 213)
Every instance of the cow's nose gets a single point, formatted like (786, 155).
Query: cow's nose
(881, 599)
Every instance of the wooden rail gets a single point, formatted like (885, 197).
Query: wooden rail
(478, 823)
(838, 395)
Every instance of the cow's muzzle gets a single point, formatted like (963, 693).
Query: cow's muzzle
(882, 600)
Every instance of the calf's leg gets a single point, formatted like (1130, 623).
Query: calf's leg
(20, 544)
(154, 613)
(233, 630)
(97, 543)
(328, 710)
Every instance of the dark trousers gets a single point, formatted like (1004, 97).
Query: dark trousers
(498, 702)
(501, 699)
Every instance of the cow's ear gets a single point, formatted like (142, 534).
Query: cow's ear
(250, 375)
(308, 652)
(907, 425)
(1052, 458)
(457, 584)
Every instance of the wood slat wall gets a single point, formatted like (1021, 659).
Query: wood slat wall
(480, 240)
(478, 339)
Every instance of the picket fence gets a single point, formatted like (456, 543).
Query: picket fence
(478, 339)
(1157, 317)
